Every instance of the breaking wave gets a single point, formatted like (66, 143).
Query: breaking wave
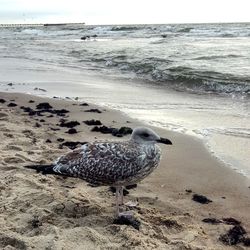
(161, 71)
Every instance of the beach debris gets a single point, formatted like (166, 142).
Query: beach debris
(10, 84)
(228, 221)
(2, 100)
(37, 125)
(127, 220)
(42, 120)
(201, 199)
(94, 111)
(12, 104)
(54, 129)
(60, 112)
(84, 104)
(114, 131)
(85, 37)
(189, 191)
(44, 105)
(35, 222)
(71, 144)
(246, 241)
(92, 122)
(48, 141)
(163, 36)
(71, 131)
(170, 223)
(231, 221)
(39, 89)
(60, 139)
(42, 109)
(213, 221)
(26, 109)
(234, 236)
(102, 129)
(70, 124)
(31, 101)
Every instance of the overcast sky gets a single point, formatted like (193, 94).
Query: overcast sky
(124, 11)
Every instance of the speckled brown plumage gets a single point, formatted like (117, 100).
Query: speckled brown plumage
(110, 163)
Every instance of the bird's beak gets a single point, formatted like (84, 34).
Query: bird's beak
(164, 141)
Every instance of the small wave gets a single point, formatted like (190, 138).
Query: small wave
(235, 132)
(207, 81)
(185, 30)
(159, 70)
(125, 28)
(216, 57)
(32, 31)
(228, 35)
(77, 53)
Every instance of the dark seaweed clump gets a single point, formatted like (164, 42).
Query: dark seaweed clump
(12, 104)
(92, 122)
(114, 131)
(44, 107)
(127, 220)
(234, 236)
(213, 221)
(201, 199)
(71, 131)
(71, 144)
(93, 111)
(69, 124)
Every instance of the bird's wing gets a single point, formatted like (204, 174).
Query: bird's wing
(103, 163)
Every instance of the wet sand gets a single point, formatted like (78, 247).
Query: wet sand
(52, 212)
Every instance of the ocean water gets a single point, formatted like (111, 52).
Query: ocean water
(194, 78)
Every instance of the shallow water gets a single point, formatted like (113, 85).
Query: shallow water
(195, 80)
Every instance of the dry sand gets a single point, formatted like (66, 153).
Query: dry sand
(52, 212)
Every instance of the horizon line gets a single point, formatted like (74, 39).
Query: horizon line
(68, 23)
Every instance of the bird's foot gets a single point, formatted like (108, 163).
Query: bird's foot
(131, 204)
(126, 214)
(127, 218)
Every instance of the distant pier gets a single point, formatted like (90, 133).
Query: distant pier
(36, 24)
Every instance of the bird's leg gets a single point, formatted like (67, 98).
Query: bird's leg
(121, 191)
(117, 196)
(119, 201)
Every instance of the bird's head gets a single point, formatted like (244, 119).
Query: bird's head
(147, 135)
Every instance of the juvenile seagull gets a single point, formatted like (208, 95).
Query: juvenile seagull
(116, 164)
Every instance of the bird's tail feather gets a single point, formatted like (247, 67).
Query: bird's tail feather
(44, 169)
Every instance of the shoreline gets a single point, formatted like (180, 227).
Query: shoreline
(186, 168)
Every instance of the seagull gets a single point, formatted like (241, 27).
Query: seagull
(111, 163)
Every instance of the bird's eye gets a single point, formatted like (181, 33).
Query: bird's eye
(145, 135)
